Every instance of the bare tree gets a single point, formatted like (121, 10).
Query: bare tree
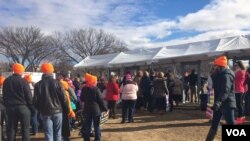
(79, 44)
(25, 45)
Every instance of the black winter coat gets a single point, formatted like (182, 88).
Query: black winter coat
(223, 83)
(16, 91)
(93, 102)
(49, 96)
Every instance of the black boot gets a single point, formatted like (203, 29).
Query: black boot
(211, 135)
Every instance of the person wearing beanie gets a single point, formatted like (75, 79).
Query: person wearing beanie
(224, 96)
(129, 95)
(67, 115)
(17, 99)
(93, 107)
(50, 101)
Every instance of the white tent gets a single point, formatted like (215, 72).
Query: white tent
(97, 61)
(204, 50)
(134, 57)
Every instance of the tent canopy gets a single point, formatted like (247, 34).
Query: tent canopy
(134, 57)
(97, 61)
(203, 50)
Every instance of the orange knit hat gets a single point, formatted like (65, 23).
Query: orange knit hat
(28, 78)
(1, 80)
(65, 85)
(92, 80)
(47, 68)
(221, 61)
(87, 77)
(18, 68)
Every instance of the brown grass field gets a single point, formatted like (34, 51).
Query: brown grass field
(185, 123)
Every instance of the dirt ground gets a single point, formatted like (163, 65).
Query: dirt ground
(186, 123)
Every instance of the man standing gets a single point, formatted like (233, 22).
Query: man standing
(224, 97)
(18, 102)
(50, 101)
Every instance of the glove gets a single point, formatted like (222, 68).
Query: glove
(216, 107)
(72, 114)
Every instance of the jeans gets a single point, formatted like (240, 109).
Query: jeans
(88, 125)
(239, 102)
(34, 122)
(228, 114)
(52, 127)
(18, 113)
(127, 109)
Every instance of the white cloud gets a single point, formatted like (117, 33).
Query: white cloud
(218, 19)
(218, 15)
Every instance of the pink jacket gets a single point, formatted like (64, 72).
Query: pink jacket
(129, 91)
(239, 81)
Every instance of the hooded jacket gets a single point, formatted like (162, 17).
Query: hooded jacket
(49, 96)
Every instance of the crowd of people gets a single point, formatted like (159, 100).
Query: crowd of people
(53, 102)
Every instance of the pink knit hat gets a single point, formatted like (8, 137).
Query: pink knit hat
(128, 77)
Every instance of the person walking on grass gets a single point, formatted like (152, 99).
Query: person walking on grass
(129, 95)
(50, 101)
(17, 99)
(224, 96)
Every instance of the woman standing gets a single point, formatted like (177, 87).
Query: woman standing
(140, 100)
(160, 92)
(129, 95)
(112, 96)
(239, 90)
(177, 91)
(93, 107)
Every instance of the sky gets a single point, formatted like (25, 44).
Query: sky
(139, 23)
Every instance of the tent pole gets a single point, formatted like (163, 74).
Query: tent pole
(199, 80)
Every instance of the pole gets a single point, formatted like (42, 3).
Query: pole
(199, 80)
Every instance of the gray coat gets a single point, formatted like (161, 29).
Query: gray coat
(160, 88)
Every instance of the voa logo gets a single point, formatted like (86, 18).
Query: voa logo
(236, 132)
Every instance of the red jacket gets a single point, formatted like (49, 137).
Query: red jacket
(239, 81)
(112, 92)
